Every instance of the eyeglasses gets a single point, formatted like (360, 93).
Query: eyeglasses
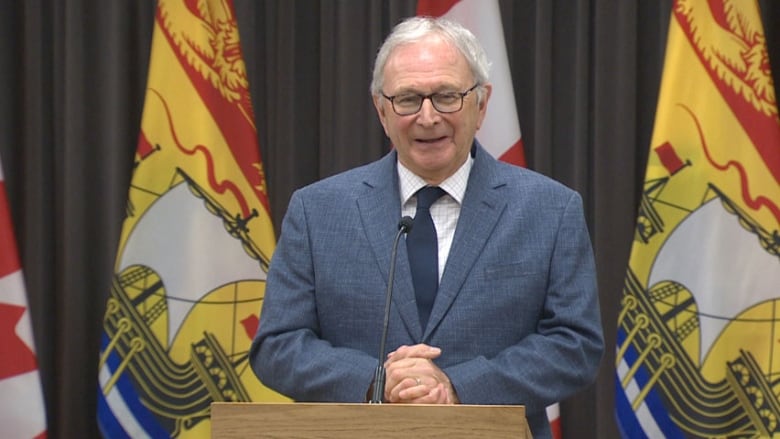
(407, 104)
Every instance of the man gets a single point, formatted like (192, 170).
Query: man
(515, 316)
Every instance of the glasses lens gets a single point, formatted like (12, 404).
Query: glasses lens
(447, 102)
(407, 104)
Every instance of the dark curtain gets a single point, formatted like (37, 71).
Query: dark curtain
(586, 75)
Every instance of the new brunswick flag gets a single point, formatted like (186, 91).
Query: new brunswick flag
(698, 344)
(193, 254)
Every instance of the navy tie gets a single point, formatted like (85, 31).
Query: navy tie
(423, 249)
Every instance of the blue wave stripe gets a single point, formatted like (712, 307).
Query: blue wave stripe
(126, 389)
(627, 420)
(107, 422)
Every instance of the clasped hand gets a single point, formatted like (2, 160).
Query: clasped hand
(413, 378)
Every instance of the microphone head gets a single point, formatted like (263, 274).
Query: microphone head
(405, 224)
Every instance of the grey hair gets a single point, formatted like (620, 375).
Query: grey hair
(414, 29)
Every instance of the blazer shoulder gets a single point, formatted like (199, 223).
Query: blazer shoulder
(524, 181)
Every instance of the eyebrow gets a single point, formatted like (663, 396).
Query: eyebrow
(442, 89)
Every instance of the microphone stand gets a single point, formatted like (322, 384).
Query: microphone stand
(380, 374)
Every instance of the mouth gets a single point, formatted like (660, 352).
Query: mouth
(431, 140)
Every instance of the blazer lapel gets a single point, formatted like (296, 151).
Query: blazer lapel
(380, 210)
(482, 206)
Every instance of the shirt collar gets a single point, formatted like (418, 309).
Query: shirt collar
(455, 185)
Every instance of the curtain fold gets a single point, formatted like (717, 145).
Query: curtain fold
(586, 75)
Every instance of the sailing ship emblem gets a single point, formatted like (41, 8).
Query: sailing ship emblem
(696, 336)
(174, 370)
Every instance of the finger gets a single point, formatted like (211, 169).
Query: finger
(411, 367)
(415, 367)
(418, 350)
(407, 389)
(435, 395)
(398, 353)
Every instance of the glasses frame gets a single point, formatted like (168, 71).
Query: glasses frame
(462, 94)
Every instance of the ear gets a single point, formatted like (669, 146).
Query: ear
(380, 111)
(483, 104)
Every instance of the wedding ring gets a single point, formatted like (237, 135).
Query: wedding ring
(419, 382)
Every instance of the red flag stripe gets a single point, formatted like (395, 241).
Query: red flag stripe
(9, 259)
(515, 154)
(434, 8)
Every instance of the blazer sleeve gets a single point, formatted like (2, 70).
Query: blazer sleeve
(287, 353)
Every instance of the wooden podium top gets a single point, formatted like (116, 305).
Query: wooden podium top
(330, 420)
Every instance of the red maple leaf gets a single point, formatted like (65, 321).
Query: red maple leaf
(15, 357)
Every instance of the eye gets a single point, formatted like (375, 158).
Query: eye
(447, 98)
(407, 100)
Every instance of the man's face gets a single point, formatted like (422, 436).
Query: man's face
(431, 144)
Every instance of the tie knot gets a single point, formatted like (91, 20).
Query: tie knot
(428, 195)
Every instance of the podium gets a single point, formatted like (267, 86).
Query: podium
(331, 420)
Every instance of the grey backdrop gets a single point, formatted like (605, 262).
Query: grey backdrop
(586, 76)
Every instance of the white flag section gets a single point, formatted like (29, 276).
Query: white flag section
(22, 413)
(500, 132)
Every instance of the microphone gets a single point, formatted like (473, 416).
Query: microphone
(404, 226)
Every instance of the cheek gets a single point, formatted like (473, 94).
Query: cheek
(395, 126)
(471, 123)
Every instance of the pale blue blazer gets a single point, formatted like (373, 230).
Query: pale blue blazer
(516, 315)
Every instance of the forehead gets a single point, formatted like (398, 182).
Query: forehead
(425, 65)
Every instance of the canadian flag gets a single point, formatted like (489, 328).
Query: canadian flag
(22, 412)
(500, 132)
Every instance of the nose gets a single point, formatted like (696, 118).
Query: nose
(427, 115)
